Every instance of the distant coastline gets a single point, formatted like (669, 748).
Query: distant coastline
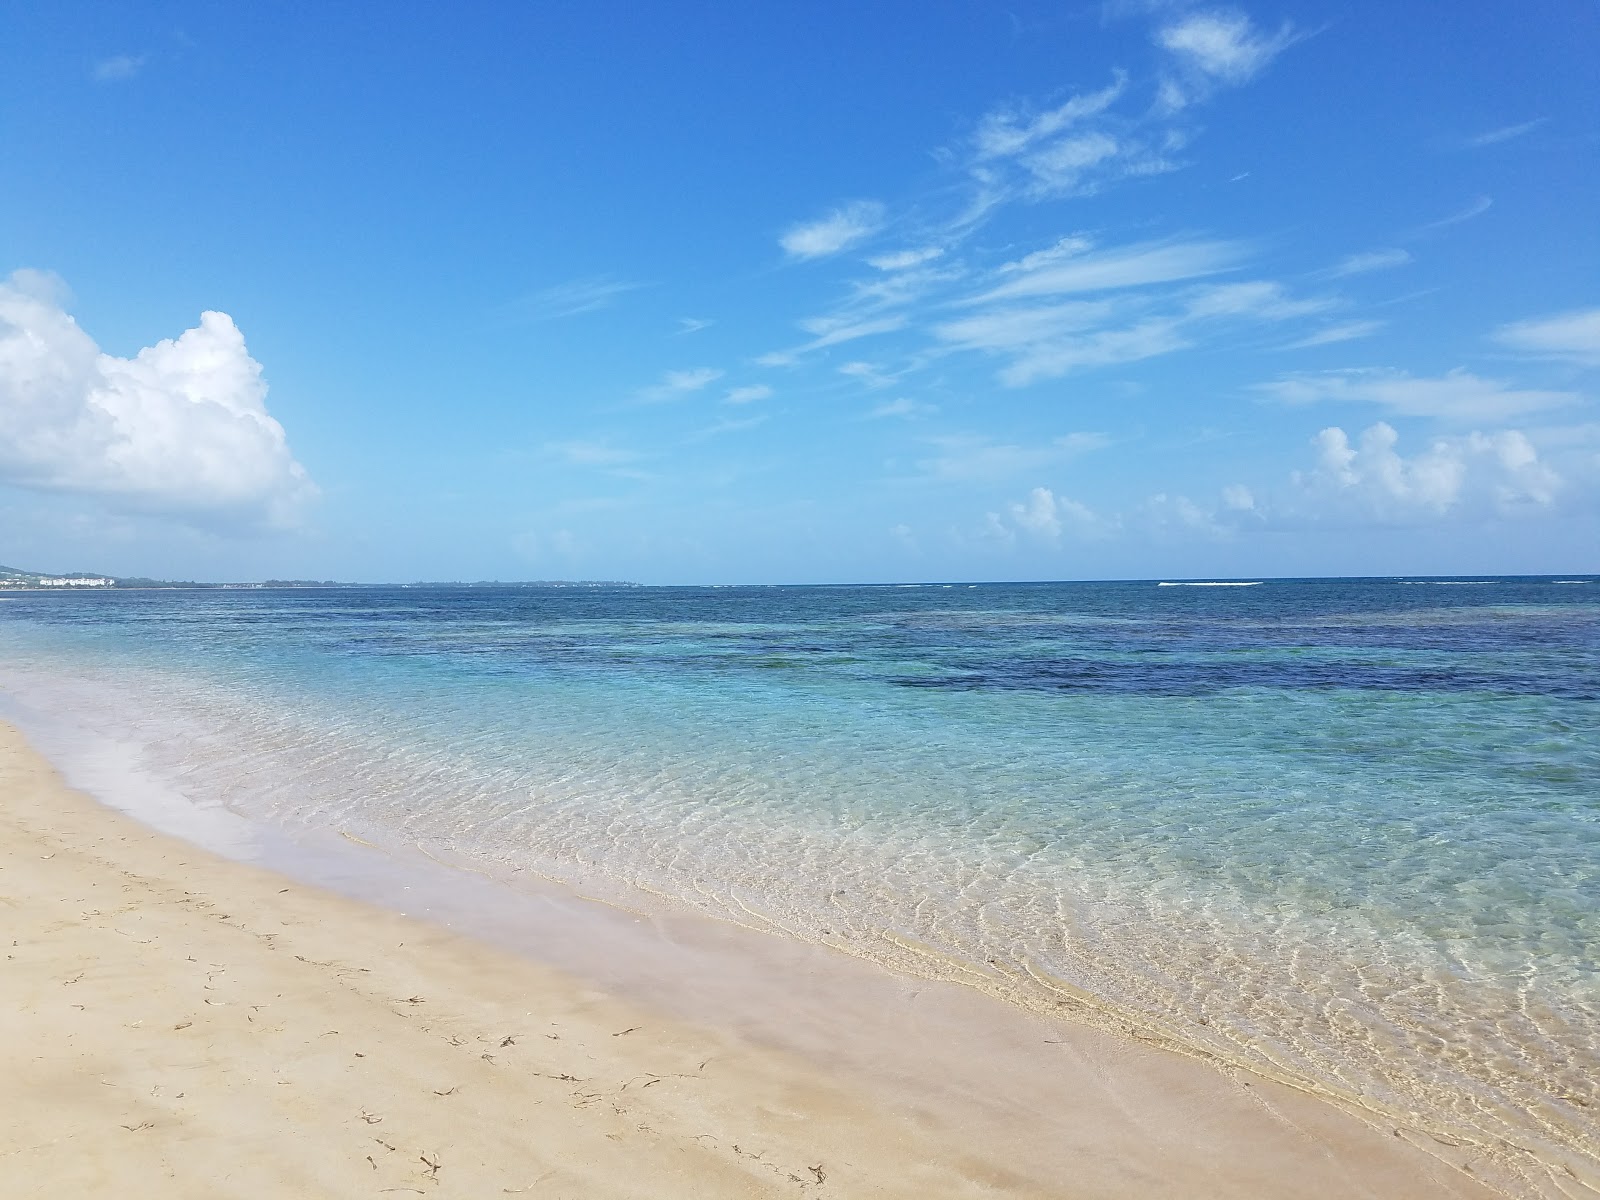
(14, 579)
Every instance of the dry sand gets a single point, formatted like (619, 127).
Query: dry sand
(174, 1024)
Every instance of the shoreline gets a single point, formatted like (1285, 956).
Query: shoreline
(921, 1090)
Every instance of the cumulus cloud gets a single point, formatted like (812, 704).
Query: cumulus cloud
(838, 230)
(181, 428)
(1048, 516)
(1573, 336)
(1478, 473)
(1455, 396)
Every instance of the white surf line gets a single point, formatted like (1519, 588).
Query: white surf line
(1191, 583)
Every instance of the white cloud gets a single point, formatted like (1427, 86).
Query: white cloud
(1473, 208)
(694, 324)
(568, 299)
(181, 428)
(1064, 272)
(728, 425)
(1238, 498)
(840, 229)
(868, 374)
(1103, 348)
(965, 458)
(1046, 342)
(1475, 474)
(831, 331)
(1222, 44)
(1455, 396)
(1260, 299)
(1074, 148)
(680, 383)
(1165, 515)
(906, 259)
(1368, 261)
(1044, 516)
(902, 407)
(1505, 133)
(1347, 332)
(118, 68)
(593, 454)
(1573, 336)
(748, 394)
(1005, 133)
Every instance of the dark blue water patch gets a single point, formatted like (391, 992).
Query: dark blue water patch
(1212, 677)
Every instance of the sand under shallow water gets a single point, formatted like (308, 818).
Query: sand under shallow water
(176, 1024)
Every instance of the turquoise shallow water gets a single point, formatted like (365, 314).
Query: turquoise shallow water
(1346, 833)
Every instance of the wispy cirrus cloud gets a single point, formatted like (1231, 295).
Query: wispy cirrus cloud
(1223, 44)
(902, 260)
(569, 299)
(1044, 341)
(674, 384)
(748, 394)
(1570, 336)
(1071, 266)
(1073, 148)
(832, 331)
(868, 374)
(1348, 331)
(903, 407)
(592, 454)
(967, 458)
(1458, 395)
(843, 227)
(1212, 49)
(1368, 261)
(1473, 208)
(1503, 133)
(118, 68)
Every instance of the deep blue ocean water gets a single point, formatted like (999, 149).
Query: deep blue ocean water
(1342, 832)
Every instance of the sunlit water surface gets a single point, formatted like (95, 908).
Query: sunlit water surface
(1345, 833)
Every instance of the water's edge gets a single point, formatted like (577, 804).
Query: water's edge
(936, 1044)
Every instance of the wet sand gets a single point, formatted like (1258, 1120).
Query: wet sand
(173, 1023)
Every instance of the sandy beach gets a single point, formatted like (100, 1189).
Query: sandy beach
(176, 1024)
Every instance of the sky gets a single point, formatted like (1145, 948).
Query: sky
(827, 292)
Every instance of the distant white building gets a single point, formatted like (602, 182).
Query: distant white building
(79, 581)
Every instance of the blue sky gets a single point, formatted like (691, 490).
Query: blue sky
(715, 292)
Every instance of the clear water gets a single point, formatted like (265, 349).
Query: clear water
(1345, 833)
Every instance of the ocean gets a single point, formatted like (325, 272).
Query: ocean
(1341, 833)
